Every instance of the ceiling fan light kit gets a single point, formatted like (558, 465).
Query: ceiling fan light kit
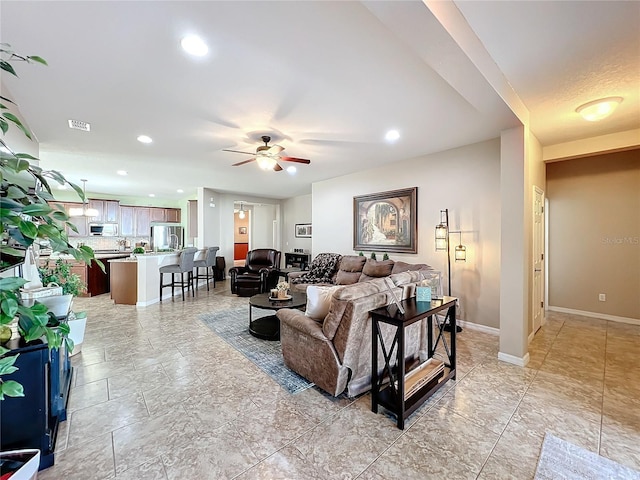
(267, 157)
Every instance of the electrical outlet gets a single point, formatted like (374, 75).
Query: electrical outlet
(602, 297)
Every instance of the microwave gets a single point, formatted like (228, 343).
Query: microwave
(103, 229)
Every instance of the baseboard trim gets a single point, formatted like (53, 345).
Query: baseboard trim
(478, 327)
(603, 316)
(520, 361)
(531, 336)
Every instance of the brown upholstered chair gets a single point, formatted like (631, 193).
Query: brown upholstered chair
(259, 274)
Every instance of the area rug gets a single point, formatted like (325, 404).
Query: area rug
(561, 460)
(233, 327)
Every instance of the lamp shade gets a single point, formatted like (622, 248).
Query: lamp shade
(461, 253)
(441, 237)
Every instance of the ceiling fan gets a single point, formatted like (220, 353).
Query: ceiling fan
(268, 156)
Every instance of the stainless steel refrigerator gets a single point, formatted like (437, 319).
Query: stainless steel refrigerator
(166, 235)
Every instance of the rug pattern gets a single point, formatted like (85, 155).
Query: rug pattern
(233, 327)
(561, 460)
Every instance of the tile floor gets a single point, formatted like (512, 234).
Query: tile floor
(157, 395)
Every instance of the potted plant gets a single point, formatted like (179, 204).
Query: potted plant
(59, 272)
(26, 217)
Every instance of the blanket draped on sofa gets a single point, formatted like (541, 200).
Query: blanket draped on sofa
(321, 270)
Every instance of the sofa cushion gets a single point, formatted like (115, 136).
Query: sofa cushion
(347, 278)
(404, 267)
(376, 269)
(352, 263)
(318, 301)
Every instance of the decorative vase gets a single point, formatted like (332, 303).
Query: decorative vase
(77, 327)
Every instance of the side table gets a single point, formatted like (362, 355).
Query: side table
(388, 389)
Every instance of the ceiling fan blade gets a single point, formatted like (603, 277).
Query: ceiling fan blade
(237, 151)
(242, 163)
(277, 167)
(275, 149)
(294, 159)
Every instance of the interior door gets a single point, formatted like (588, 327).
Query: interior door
(538, 258)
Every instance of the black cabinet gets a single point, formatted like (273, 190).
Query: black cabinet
(299, 260)
(32, 421)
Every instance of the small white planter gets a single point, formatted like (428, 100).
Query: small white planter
(29, 470)
(76, 331)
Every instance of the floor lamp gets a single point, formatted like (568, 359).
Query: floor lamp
(442, 243)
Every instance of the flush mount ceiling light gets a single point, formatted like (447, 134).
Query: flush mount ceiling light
(144, 139)
(598, 109)
(83, 211)
(392, 136)
(194, 45)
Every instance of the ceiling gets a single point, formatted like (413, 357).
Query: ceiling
(326, 80)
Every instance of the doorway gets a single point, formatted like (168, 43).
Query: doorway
(241, 234)
(538, 259)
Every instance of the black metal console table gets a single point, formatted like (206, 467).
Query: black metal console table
(388, 388)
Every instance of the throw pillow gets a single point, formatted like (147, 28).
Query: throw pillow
(347, 278)
(352, 263)
(377, 268)
(319, 301)
(399, 267)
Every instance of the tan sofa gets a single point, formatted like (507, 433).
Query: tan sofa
(335, 352)
(353, 269)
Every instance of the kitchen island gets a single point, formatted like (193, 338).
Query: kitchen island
(142, 275)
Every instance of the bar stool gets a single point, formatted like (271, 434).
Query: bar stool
(184, 265)
(207, 263)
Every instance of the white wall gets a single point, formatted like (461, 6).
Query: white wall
(465, 180)
(296, 210)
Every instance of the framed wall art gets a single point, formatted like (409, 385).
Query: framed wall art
(386, 221)
(242, 230)
(303, 230)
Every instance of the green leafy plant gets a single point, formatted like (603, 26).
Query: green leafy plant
(26, 217)
(373, 255)
(385, 257)
(60, 272)
(138, 250)
(361, 254)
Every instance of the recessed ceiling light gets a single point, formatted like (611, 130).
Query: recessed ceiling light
(292, 169)
(144, 139)
(122, 172)
(180, 190)
(194, 45)
(598, 109)
(152, 194)
(392, 136)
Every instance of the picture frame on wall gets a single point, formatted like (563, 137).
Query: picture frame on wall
(386, 221)
(303, 230)
(242, 230)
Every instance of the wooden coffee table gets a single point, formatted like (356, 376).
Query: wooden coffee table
(268, 328)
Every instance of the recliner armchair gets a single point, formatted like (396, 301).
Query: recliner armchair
(259, 274)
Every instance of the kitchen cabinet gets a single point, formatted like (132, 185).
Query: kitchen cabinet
(143, 221)
(108, 210)
(157, 214)
(127, 221)
(172, 215)
(79, 222)
(192, 217)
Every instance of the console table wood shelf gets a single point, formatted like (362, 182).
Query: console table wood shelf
(388, 388)
(299, 260)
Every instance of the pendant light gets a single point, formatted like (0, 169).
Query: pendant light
(241, 213)
(83, 211)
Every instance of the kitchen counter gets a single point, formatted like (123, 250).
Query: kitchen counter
(147, 271)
